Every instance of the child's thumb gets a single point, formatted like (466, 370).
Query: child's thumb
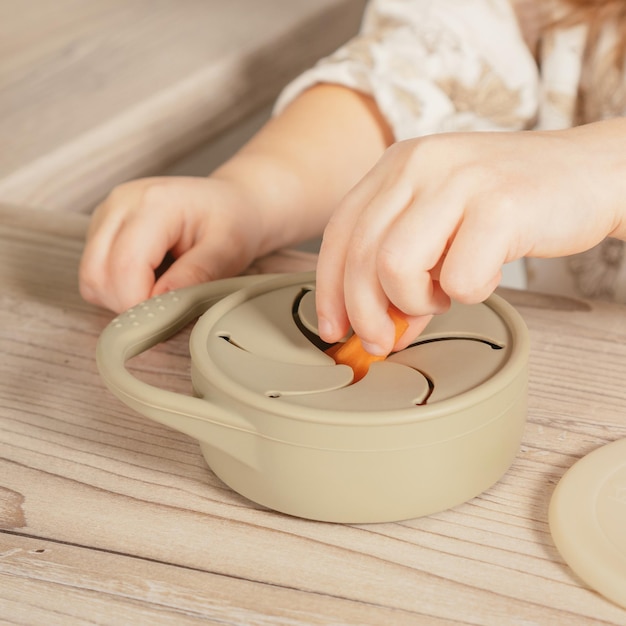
(189, 269)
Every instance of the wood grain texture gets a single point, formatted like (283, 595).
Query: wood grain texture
(95, 93)
(108, 518)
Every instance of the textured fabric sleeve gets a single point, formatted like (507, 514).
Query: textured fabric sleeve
(436, 66)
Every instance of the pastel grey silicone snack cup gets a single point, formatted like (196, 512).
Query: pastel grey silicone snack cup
(279, 422)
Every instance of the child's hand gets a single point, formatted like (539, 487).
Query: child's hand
(278, 189)
(437, 218)
(208, 225)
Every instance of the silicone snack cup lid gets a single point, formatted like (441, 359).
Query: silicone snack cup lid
(588, 520)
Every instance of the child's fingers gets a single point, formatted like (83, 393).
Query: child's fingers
(473, 265)
(383, 267)
(191, 268)
(98, 273)
(93, 271)
(413, 249)
(331, 266)
(349, 293)
(126, 244)
(135, 253)
(201, 263)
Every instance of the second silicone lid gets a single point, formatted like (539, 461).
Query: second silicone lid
(588, 520)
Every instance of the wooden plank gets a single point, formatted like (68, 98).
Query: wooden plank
(56, 583)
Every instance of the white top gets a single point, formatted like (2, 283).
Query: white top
(458, 65)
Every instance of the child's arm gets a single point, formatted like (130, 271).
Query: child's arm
(277, 190)
(416, 60)
(438, 217)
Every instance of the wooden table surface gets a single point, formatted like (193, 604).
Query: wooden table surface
(96, 92)
(109, 518)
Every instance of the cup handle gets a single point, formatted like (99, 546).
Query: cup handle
(152, 322)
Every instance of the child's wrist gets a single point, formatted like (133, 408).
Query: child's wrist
(271, 192)
(603, 144)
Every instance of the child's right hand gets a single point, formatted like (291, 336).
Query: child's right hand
(209, 225)
(437, 217)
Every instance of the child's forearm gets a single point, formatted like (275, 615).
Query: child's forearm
(303, 161)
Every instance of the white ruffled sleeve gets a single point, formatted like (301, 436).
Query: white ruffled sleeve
(436, 66)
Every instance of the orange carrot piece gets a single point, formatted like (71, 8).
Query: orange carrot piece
(352, 352)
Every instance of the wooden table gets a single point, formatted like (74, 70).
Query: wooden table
(96, 92)
(110, 518)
